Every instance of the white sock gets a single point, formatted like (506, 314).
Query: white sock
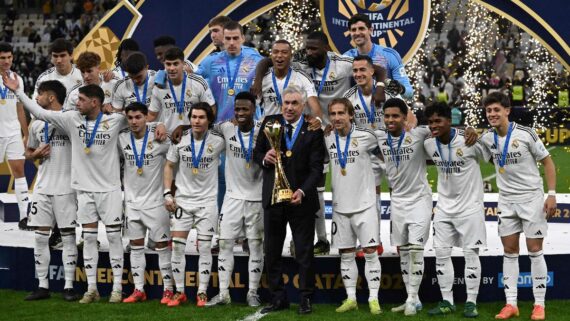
(349, 273)
(320, 225)
(416, 271)
(379, 210)
(22, 197)
(255, 263)
(373, 273)
(90, 256)
(165, 265)
(179, 262)
(138, 265)
(69, 257)
(116, 255)
(225, 264)
(472, 273)
(204, 262)
(445, 272)
(404, 266)
(510, 277)
(42, 257)
(539, 273)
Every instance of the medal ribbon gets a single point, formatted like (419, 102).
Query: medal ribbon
(249, 149)
(143, 100)
(368, 111)
(196, 160)
(395, 157)
(232, 80)
(324, 78)
(279, 99)
(47, 138)
(289, 142)
(503, 158)
(438, 144)
(3, 92)
(89, 142)
(179, 104)
(342, 157)
(139, 160)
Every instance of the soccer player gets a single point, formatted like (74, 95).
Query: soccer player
(127, 47)
(172, 104)
(54, 200)
(144, 210)
(13, 124)
(161, 45)
(354, 201)
(195, 160)
(216, 28)
(241, 210)
(137, 86)
(361, 30)
(459, 218)
(64, 71)
(411, 202)
(522, 207)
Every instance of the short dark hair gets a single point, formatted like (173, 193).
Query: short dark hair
(128, 44)
(246, 95)
(93, 91)
(358, 18)
(61, 45)
(233, 25)
(207, 108)
(284, 42)
(174, 53)
(136, 106)
(497, 97)
(87, 59)
(398, 103)
(54, 86)
(6, 47)
(439, 108)
(164, 41)
(342, 101)
(135, 63)
(219, 21)
(320, 36)
(364, 57)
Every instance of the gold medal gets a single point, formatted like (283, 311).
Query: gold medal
(343, 171)
(231, 91)
(248, 165)
(87, 150)
(139, 170)
(2, 101)
(502, 170)
(288, 153)
(194, 171)
(180, 116)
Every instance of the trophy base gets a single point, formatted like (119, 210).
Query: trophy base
(282, 195)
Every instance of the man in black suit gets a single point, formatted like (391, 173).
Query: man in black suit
(302, 155)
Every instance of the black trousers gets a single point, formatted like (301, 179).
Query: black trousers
(302, 225)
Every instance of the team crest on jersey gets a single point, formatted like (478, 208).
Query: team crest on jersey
(188, 92)
(245, 69)
(459, 152)
(149, 146)
(332, 75)
(210, 149)
(515, 143)
(78, 82)
(408, 140)
(354, 143)
(107, 93)
(105, 125)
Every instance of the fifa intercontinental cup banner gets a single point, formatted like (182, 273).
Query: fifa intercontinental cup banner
(399, 24)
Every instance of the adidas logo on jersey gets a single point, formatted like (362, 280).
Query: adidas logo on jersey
(233, 139)
(538, 233)
(117, 219)
(471, 276)
(128, 147)
(333, 146)
(164, 236)
(372, 241)
(479, 242)
(73, 223)
(256, 270)
(222, 70)
(167, 96)
(436, 154)
(540, 286)
(211, 229)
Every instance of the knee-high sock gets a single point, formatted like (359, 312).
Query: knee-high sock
(320, 226)
(539, 273)
(42, 257)
(510, 277)
(204, 262)
(405, 266)
(138, 265)
(445, 272)
(90, 256)
(165, 265)
(255, 263)
(472, 273)
(116, 255)
(22, 197)
(416, 271)
(179, 262)
(69, 257)
(349, 273)
(373, 273)
(225, 264)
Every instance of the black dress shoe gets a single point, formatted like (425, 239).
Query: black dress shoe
(38, 294)
(275, 306)
(305, 306)
(70, 295)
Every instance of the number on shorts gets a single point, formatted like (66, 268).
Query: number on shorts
(33, 208)
(178, 213)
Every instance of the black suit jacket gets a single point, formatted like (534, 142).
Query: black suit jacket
(303, 170)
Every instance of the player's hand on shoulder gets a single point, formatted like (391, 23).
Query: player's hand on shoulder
(107, 75)
(471, 136)
(328, 129)
(160, 133)
(314, 122)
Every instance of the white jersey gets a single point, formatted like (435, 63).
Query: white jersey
(356, 191)
(143, 191)
(269, 102)
(9, 123)
(73, 96)
(124, 91)
(406, 166)
(338, 78)
(163, 102)
(241, 182)
(119, 72)
(521, 178)
(97, 171)
(199, 189)
(54, 172)
(360, 116)
(459, 181)
(69, 81)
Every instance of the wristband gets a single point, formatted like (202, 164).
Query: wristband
(551, 193)
(167, 192)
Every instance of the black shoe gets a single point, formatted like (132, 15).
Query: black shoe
(275, 306)
(305, 307)
(23, 225)
(38, 294)
(70, 295)
(322, 248)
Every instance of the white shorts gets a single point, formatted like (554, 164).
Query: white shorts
(410, 221)
(106, 207)
(238, 216)
(11, 148)
(204, 219)
(528, 217)
(466, 231)
(362, 226)
(46, 210)
(156, 220)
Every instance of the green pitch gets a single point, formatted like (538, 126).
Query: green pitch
(15, 308)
